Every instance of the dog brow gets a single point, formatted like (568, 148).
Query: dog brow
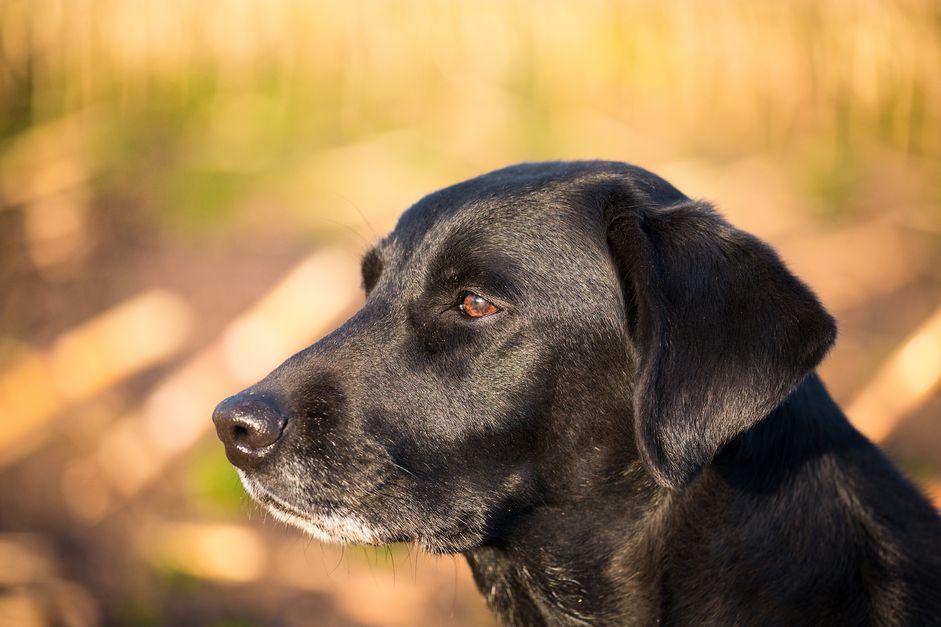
(371, 257)
(371, 267)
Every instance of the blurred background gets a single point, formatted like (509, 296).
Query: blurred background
(185, 188)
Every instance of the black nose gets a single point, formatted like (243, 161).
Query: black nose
(248, 425)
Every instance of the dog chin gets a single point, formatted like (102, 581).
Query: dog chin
(332, 528)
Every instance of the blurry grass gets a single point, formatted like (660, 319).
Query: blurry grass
(831, 180)
(202, 103)
(176, 582)
(212, 483)
(134, 612)
(202, 199)
(233, 623)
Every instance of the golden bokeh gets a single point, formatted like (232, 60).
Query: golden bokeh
(185, 188)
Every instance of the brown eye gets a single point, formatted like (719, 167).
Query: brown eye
(475, 306)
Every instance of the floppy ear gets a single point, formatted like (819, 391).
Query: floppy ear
(722, 332)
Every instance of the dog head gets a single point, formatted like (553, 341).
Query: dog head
(527, 337)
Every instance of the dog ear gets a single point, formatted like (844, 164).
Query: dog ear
(722, 332)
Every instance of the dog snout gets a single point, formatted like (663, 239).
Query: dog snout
(248, 426)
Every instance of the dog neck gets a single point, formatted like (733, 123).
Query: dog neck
(561, 563)
(601, 559)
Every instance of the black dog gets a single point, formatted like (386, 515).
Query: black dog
(603, 395)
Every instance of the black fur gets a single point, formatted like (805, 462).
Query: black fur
(637, 436)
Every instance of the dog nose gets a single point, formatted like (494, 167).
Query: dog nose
(248, 426)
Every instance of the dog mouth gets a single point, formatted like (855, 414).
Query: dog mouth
(331, 525)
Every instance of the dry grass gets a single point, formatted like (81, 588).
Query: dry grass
(199, 150)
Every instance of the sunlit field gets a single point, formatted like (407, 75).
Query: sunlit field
(185, 188)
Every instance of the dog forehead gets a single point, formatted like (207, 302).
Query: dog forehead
(525, 215)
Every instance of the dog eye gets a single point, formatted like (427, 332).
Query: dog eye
(476, 306)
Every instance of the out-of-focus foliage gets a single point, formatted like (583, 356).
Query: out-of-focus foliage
(177, 178)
